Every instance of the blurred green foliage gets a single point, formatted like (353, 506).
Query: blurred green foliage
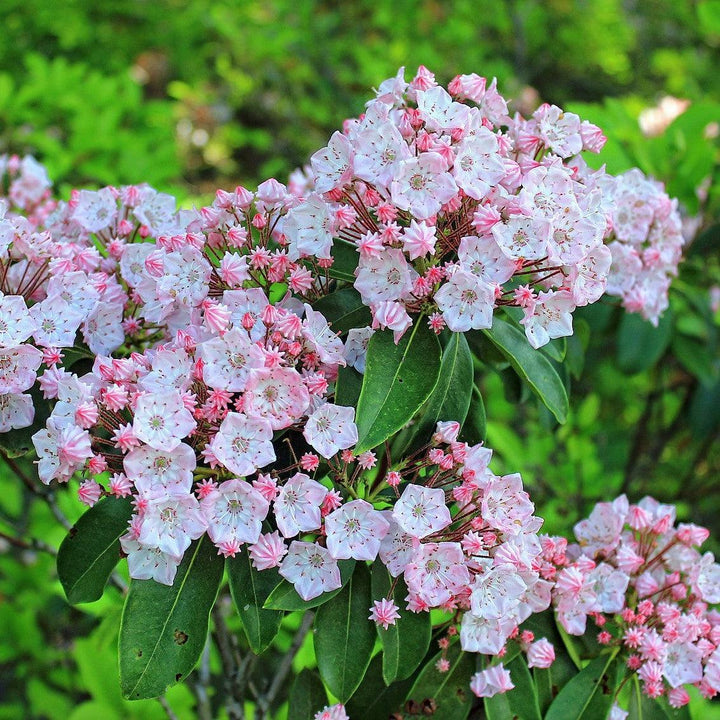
(191, 96)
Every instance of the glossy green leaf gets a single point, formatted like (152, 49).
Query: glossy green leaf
(347, 386)
(344, 310)
(16, 443)
(474, 429)
(407, 641)
(164, 628)
(450, 690)
(639, 344)
(532, 366)
(375, 700)
(523, 698)
(556, 349)
(398, 380)
(450, 400)
(346, 259)
(285, 597)
(250, 589)
(589, 695)
(705, 410)
(697, 358)
(307, 696)
(344, 637)
(641, 707)
(91, 549)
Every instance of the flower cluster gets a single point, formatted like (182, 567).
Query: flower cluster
(455, 209)
(187, 368)
(643, 583)
(646, 244)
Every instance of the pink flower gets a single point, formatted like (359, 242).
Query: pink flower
(421, 511)
(391, 315)
(297, 506)
(277, 394)
(311, 569)
(243, 444)
(234, 512)
(384, 612)
(491, 681)
(355, 530)
(422, 185)
(89, 492)
(541, 654)
(162, 420)
(331, 428)
(268, 551)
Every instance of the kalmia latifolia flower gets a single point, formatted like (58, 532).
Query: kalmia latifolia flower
(640, 577)
(211, 392)
(451, 203)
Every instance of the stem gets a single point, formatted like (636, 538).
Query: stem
(265, 701)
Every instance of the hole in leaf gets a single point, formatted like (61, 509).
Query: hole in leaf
(180, 637)
(72, 532)
(138, 653)
(178, 676)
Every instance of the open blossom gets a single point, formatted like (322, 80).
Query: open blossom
(311, 569)
(151, 469)
(171, 523)
(421, 511)
(234, 512)
(491, 681)
(355, 530)
(243, 444)
(297, 505)
(331, 428)
(162, 420)
(276, 394)
(466, 302)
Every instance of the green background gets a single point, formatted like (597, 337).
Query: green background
(192, 96)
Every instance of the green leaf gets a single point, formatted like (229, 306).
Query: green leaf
(347, 386)
(307, 696)
(344, 310)
(696, 358)
(641, 707)
(407, 641)
(450, 690)
(285, 597)
(523, 698)
(474, 429)
(450, 400)
(532, 366)
(497, 707)
(398, 380)
(374, 699)
(556, 349)
(640, 345)
(91, 549)
(344, 637)
(17, 443)
(164, 628)
(705, 410)
(250, 589)
(346, 259)
(589, 695)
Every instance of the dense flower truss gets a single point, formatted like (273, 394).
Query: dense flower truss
(456, 209)
(640, 579)
(186, 365)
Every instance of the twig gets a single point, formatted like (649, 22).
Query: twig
(166, 707)
(204, 710)
(234, 704)
(264, 702)
(29, 544)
